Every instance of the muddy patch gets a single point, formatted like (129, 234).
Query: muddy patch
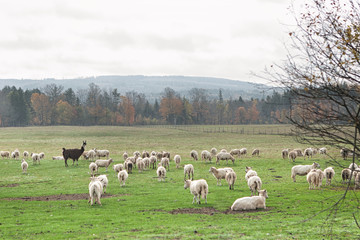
(205, 210)
(81, 196)
(10, 185)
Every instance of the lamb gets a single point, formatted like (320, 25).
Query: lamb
(206, 155)
(322, 150)
(313, 179)
(224, 156)
(93, 168)
(161, 173)
(5, 154)
(329, 174)
(235, 152)
(24, 166)
(57, 158)
(292, 155)
(249, 173)
(140, 164)
(302, 170)
(25, 154)
(95, 190)
(104, 181)
(285, 153)
(177, 160)
(219, 173)
(250, 203)
(255, 152)
(102, 153)
(125, 156)
(35, 157)
(74, 154)
(118, 167)
(153, 160)
(103, 163)
(213, 152)
(243, 151)
(128, 165)
(165, 162)
(122, 176)
(308, 153)
(194, 154)
(254, 184)
(189, 170)
(198, 188)
(230, 177)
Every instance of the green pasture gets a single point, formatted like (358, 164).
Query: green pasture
(148, 209)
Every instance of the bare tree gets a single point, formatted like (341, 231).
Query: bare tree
(322, 73)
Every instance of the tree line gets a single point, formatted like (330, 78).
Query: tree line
(54, 105)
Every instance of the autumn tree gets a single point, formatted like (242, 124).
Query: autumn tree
(200, 103)
(42, 108)
(128, 111)
(171, 106)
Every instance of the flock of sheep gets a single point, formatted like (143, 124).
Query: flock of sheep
(198, 188)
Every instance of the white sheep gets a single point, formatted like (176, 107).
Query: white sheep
(153, 153)
(35, 157)
(357, 180)
(122, 176)
(102, 153)
(321, 177)
(5, 154)
(95, 190)
(255, 152)
(322, 150)
(353, 166)
(194, 155)
(93, 168)
(250, 203)
(219, 173)
(235, 152)
(58, 158)
(118, 167)
(249, 173)
(177, 160)
(206, 155)
(345, 175)
(128, 164)
(313, 179)
(153, 161)
(213, 152)
(24, 166)
(41, 155)
(298, 152)
(140, 164)
(104, 181)
(189, 170)
(104, 163)
(91, 154)
(254, 184)
(125, 156)
(223, 150)
(224, 156)
(285, 153)
(145, 154)
(198, 188)
(329, 174)
(302, 170)
(292, 155)
(161, 173)
(26, 154)
(146, 161)
(165, 163)
(230, 177)
(243, 152)
(308, 152)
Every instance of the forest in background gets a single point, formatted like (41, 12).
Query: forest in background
(55, 105)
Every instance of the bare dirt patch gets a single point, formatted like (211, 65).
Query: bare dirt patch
(205, 210)
(80, 196)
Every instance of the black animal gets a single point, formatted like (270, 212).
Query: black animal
(74, 154)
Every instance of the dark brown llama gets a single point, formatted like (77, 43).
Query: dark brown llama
(74, 154)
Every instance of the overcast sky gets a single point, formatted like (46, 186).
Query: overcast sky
(63, 39)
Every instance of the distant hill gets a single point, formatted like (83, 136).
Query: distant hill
(152, 86)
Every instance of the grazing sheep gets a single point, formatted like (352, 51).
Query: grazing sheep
(125, 156)
(353, 166)
(95, 190)
(85, 155)
(243, 152)
(146, 163)
(322, 150)
(42, 155)
(25, 154)
(57, 158)
(140, 164)
(145, 154)
(198, 188)
(298, 152)
(153, 160)
(35, 157)
(153, 153)
(132, 159)
(194, 155)
(292, 155)
(230, 177)
(159, 156)
(224, 156)
(161, 173)
(254, 184)
(122, 176)
(321, 177)
(219, 173)
(344, 152)
(74, 154)
(104, 181)
(16, 154)
(206, 155)
(235, 152)
(91, 154)
(189, 170)
(313, 179)
(166, 155)
(103, 163)
(102, 153)
(329, 174)
(93, 168)
(302, 170)
(5, 154)
(250, 203)
(118, 167)
(308, 153)
(255, 152)
(137, 154)
(165, 163)
(345, 175)
(213, 152)
(177, 160)
(285, 153)
(357, 180)
(128, 165)
(249, 173)
(223, 150)
(24, 166)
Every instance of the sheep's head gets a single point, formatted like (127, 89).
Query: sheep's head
(316, 165)
(211, 169)
(186, 183)
(263, 193)
(247, 169)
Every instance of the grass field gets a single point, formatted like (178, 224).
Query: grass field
(50, 202)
